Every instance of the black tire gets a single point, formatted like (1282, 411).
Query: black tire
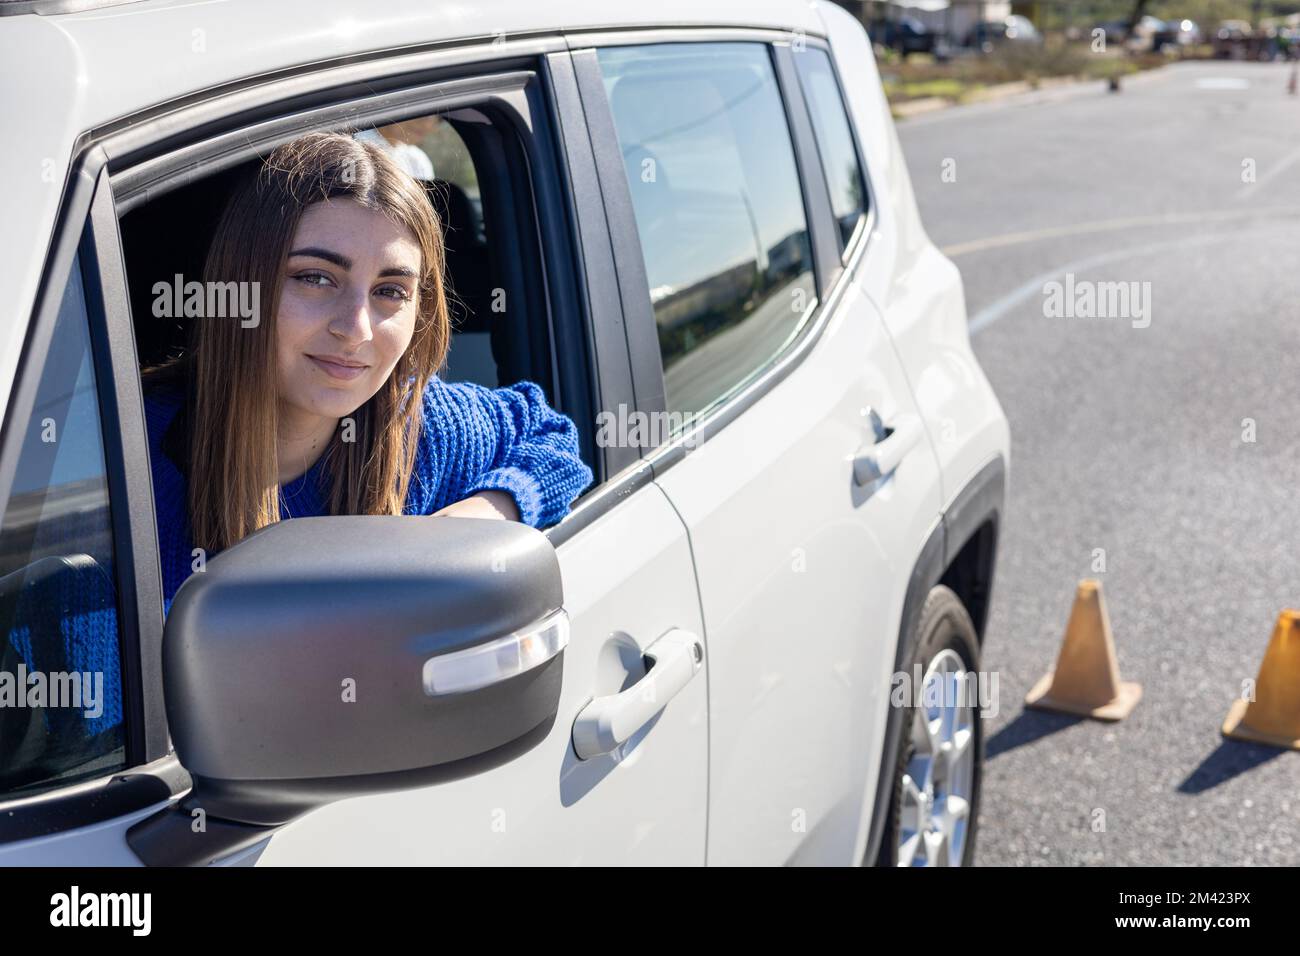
(944, 624)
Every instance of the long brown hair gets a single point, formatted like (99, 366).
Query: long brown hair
(229, 371)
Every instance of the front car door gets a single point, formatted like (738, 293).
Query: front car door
(639, 796)
(628, 581)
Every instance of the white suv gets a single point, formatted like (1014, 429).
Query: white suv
(691, 223)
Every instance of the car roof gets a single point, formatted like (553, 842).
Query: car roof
(130, 55)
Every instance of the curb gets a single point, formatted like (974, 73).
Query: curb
(925, 104)
(1000, 91)
(1004, 91)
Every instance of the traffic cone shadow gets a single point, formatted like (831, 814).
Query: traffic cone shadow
(1086, 679)
(1273, 717)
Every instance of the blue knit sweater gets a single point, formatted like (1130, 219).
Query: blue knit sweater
(473, 439)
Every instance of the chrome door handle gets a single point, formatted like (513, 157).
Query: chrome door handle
(880, 457)
(609, 722)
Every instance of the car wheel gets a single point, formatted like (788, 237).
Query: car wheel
(934, 802)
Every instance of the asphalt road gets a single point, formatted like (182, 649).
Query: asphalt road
(1130, 439)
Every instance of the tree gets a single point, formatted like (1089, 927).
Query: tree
(1139, 10)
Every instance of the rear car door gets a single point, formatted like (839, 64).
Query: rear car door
(801, 470)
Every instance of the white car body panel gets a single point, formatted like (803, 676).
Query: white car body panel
(802, 577)
(627, 580)
(918, 289)
(758, 541)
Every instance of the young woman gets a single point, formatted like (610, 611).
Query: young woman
(328, 402)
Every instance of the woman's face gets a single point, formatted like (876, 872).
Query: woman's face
(347, 307)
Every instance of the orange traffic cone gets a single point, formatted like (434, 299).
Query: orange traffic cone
(1273, 717)
(1086, 679)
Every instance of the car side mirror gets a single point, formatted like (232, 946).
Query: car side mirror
(331, 657)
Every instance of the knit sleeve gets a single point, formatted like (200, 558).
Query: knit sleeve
(170, 492)
(504, 439)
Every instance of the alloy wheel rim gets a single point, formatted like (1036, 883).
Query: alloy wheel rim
(938, 781)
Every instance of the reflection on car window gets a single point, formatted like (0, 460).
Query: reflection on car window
(60, 683)
(718, 209)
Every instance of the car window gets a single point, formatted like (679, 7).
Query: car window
(718, 207)
(839, 157)
(60, 685)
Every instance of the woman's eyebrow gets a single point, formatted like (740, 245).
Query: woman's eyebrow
(343, 262)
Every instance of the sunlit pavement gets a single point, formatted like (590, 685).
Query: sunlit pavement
(1127, 445)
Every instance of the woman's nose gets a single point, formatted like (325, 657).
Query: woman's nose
(354, 322)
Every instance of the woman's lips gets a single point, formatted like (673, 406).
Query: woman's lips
(344, 373)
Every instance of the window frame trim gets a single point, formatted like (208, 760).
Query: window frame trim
(854, 251)
(861, 232)
(628, 260)
(823, 231)
(88, 802)
(608, 359)
(131, 500)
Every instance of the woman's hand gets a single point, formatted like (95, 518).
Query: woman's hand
(484, 504)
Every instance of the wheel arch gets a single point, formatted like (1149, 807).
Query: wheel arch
(971, 526)
(959, 553)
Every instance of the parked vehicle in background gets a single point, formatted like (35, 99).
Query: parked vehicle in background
(1181, 33)
(1287, 31)
(908, 35)
(1238, 40)
(1235, 40)
(1289, 40)
(1275, 41)
(1114, 30)
(1146, 32)
(1151, 34)
(992, 34)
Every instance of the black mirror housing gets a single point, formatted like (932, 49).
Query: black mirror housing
(328, 657)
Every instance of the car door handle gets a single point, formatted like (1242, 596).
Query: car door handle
(880, 457)
(609, 722)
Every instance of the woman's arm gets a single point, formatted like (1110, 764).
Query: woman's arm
(484, 504)
(499, 448)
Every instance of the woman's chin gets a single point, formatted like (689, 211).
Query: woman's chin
(332, 402)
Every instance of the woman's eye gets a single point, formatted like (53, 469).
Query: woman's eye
(395, 292)
(316, 279)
